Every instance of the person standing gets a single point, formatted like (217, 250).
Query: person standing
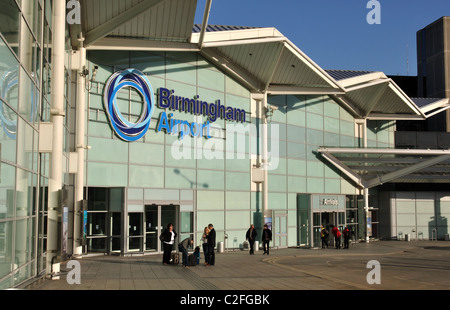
(266, 238)
(337, 237)
(205, 244)
(211, 245)
(324, 235)
(251, 237)
(346, 234)
(168, 239)
(183, 248)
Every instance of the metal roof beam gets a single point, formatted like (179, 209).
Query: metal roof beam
(205, 23)
(239, 73)
(344, 169)
(300, 90)
(405, 171)
(415, 152)
(117, 44)
(108, 27)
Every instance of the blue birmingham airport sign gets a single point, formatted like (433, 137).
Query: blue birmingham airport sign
(167, 101)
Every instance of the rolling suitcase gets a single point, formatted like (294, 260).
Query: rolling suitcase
(192, 260)
(174, 258)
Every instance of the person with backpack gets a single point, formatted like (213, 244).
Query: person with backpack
(324, 235)
(346, 233)
(337, 237)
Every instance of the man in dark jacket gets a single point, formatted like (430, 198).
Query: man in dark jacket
(211, 244)
(266, 238)
(183, 248)
(251, 237)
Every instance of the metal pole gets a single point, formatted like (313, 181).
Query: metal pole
(80, 136)
(265, 160)
(366, 190)
(57, 118)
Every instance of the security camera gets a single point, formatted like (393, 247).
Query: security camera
(94, 73)
(274, 108)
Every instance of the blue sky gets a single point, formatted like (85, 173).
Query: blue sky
(335, 33)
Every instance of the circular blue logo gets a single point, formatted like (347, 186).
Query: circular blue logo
(135, 79)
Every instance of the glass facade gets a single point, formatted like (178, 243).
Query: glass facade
(25, 87)
(21, 50)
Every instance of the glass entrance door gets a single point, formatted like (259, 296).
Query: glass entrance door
(152, 229)
(281, 231)
(157, 217)
(135, 232)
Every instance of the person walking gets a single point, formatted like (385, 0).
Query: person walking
(251, 237)
(266, 238)
(324, 235)
(168, 239)
(183, 248)
(211, 245)
(346, 233)
(337, 237)
(205, 244)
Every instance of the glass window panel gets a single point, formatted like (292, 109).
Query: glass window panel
(296, 117)
(210, 200)
(187, 222)
(277, 183)
(9, 27)
(108, 150)
(146, 176)
(147, 154)
(332, 186)
(210, 179)
(216, 218)
(296, 151)
(22, 242)
(315, 169)
(25, 135)
(233, 87)
(296, 134)
(314, 104)
(237, 200)
(26, 50)
(277, 201)
(6, 237)
(107, 174)
(9, 75)
(182, 178)
(238, 181)
(297, 184)
(238, 220)
(314, 121)
(211, 79)
(315, 185)
(7, 191)
(331, 109)
(8, 129)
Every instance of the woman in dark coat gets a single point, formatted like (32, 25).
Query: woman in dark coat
(168, 239)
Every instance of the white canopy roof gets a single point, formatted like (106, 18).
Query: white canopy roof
(262, 59)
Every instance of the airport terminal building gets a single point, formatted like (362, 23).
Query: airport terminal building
(134, 118)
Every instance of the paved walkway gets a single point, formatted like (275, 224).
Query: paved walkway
(417, 265)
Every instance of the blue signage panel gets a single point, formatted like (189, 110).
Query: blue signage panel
(167, 101)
